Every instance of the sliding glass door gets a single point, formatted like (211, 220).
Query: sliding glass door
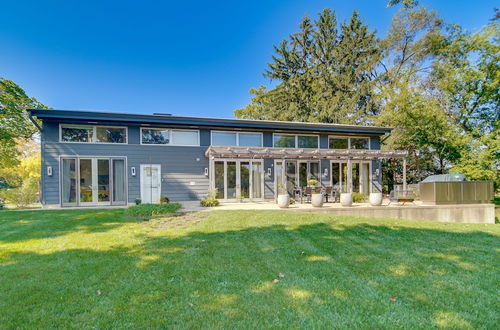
(89, 181)
(238, 179)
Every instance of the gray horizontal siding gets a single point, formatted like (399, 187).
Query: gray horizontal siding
(182, 167)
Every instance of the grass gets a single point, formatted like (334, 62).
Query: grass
(148, 210)
(100, 268)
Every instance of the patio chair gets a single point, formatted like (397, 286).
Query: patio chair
(297, 194)
(307, 192)
(328, 192)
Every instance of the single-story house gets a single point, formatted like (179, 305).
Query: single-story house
(105, 158)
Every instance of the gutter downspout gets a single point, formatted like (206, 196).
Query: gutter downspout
(384, 138)
(33, 120)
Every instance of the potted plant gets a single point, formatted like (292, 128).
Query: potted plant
(283, 197)
(346, 198)
(316, 197)
(375, 198)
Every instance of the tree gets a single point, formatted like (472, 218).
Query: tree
(406, 3)
(14, 122)
(323, 74)
(24, 178)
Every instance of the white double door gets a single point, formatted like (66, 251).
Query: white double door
(150, 183)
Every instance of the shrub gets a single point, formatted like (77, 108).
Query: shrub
(148, 210)
(211, 199)
(358, 197)
(23, 195)
(138, 201)
(209, 202)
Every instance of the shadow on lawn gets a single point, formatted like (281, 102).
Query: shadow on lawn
(340, 277)
(38, 225)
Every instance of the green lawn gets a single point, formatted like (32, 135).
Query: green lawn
(99, 268)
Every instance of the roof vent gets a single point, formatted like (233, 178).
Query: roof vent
(162, 114)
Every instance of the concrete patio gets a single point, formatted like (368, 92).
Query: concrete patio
(465, 213)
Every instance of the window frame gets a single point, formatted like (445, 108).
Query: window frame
(156, 129)
(126, 134)
(237, 138)
(297, 140)
(183, 145)
(170, 135)
(94, 133)
(349, 141)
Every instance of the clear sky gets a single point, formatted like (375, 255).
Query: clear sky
(196, 58)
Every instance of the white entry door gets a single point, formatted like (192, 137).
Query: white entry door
(150, 183)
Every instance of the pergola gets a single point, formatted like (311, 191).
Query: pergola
(233, 152)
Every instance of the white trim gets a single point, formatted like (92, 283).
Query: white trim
(141, 179)
(94, 134)
(170, 137)
(237, 137)
(296, 140)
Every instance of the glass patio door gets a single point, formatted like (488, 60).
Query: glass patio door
(360, 176)
(308, 170)
(93, 181)
(294, 174)
(238, 179)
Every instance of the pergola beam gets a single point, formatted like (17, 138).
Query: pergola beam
(280, 153)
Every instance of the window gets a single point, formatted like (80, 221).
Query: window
(250, 139)
(338, 143)
(93, 134)
(185, 138)
(77, 133)
(305, 141)
(111, 134)
(284, 141)
(224, 139)
(359, 143)
(155, 136)
(236, 139)
(295, 141)
(165, 136)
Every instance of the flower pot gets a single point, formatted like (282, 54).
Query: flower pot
(346, 199)
(317, 200)
(375, 199)
(283, 201)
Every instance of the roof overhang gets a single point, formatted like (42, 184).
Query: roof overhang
(165, 120)
(286, 153)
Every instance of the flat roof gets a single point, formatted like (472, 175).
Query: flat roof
(86, 115)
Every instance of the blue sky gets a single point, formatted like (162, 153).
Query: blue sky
(196, 58)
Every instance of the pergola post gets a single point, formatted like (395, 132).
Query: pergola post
(349, 175)
(404, 173)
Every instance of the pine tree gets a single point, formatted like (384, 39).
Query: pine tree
(323, 74)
